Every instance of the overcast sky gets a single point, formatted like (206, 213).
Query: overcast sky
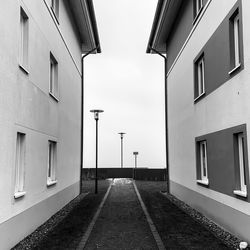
(128, 85)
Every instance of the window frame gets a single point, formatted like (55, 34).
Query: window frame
(202, 176)
(198, 6)
(199, 78)
(24, 41)
(52, 163)
(53, 78)
(55, 9)
(240, 166)
(20, 165)
(235, 41)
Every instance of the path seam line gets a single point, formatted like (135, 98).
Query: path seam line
(153, 229)
(85, 237)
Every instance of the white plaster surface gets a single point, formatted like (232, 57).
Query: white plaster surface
(26, 106)
(225, 107)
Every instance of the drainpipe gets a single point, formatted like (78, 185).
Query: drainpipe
(82, 111)
(166, 115)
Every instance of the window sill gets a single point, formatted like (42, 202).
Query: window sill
(240, 193)
(203, 182)
(200, 96)
(198, 14)
(51, 183)
(54, 97)
(234, 69)
(23, 69)
(19, 194)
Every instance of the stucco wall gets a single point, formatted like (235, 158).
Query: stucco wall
(225, 107)
(26, 106)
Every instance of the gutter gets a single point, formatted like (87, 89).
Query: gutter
(155, 24)
(88, 10)
(165, 6)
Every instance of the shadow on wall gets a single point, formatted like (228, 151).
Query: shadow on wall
(137, 174)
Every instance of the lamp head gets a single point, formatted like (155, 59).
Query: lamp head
(135, 153)
(121, 133)
(96, 113)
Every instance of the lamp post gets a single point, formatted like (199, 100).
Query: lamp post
(96, 117)
(135, 154)
(122, 134)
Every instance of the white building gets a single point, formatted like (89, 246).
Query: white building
(207, 44)
(40, 109)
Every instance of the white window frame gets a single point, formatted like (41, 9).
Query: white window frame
(203, 162)
(53, 78)
(200, 84)
(24, 40)
(236, 28)
(198, 6)
(52, 162)
(55, 9)
(241, 155)
(19, 165)
(236, 42)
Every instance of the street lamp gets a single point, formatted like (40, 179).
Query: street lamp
(122, 134)
(135, 154)
(96, 117)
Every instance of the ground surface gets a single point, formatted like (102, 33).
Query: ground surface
(68, 232)
(177, 229)
(122, 223)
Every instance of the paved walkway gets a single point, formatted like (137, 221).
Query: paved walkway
(121, 223)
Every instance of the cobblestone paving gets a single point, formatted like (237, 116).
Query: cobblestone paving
(177, 229)
(122, 223)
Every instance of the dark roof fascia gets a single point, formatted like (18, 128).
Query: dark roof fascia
(155, 25)
(94, 24)
(84, 18)
(166, 13)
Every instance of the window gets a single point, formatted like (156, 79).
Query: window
(241, 186)
(52, 159)
(24, 40)
(202, 163)
(19, 165)
(55, 8)
(198, 6)
(53, 79)
(235, 42)
(199, 78)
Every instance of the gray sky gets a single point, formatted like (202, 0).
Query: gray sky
(128, 85)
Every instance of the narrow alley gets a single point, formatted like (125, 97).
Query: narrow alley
(125, 124)
(122, 224)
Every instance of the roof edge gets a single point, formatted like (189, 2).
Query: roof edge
(155, 25)
(92, 17)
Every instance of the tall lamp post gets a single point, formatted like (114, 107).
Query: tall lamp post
(135, 154)
(96, 117)
(121, 134)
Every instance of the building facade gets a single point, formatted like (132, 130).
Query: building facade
(41, 46)
(207, 47)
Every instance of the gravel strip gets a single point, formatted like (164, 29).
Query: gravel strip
(38, 235)
(227, 238)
